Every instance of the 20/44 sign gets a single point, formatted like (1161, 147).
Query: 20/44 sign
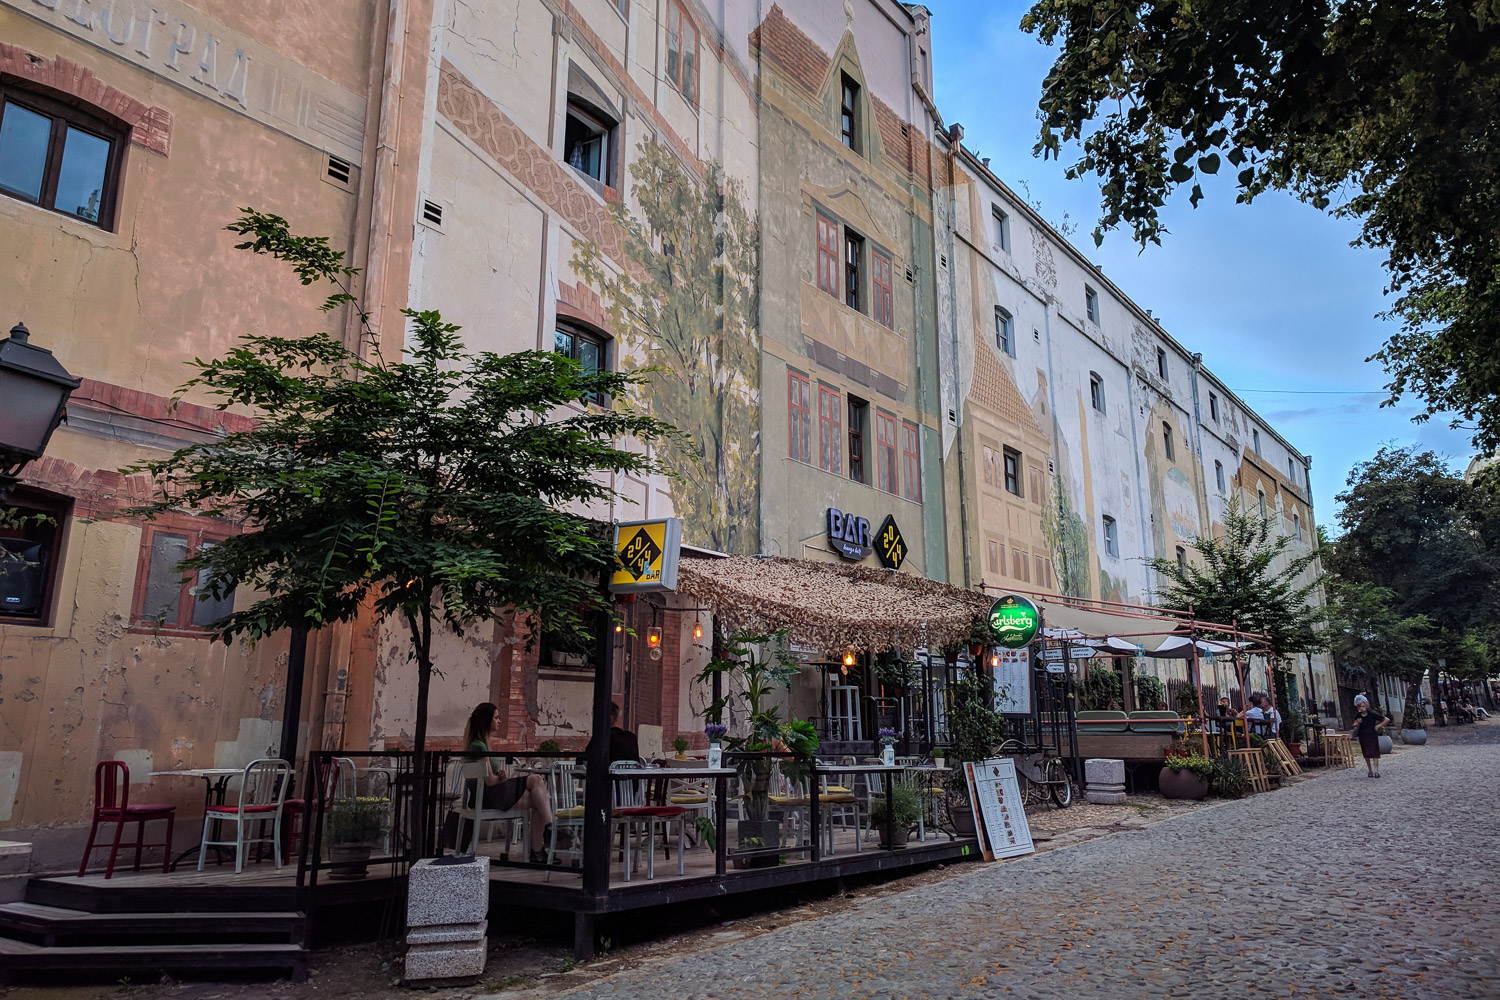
(889, 544)
(1013, 621)
(646, 555)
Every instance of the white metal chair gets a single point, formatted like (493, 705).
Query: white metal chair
(263, 786)
(631, 811)
(567, 812)
(469, 804)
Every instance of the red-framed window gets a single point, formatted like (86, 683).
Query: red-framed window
(830, 430)
(799, 417)
(828, 255)
(885, 452)
(882, 296)
(171, 599)
(912, 460)
(682, 52)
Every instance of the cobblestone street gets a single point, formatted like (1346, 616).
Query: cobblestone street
(1337, 886)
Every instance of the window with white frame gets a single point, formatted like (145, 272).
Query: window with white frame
(1111, 536)
(1219, 475)
(1091, 303)
(1161, 364)
(1002, 227)
(1096, 391)
(1255, 440)
(1213, 407)
(1005, 331)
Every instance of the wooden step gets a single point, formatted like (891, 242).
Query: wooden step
(54, 925)
(22, 959)
(144, 896)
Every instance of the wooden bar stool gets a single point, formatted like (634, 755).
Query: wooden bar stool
(1255, 766)
(1284, 760)
(1338, 749)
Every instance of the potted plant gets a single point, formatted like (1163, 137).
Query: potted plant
(354, 824)
(1187, 701)
(888, 738)
(904, 806)
(1185, 773)
(973, 730)
(679, 746)
(1414, 723)
(893, 672)
(1294, 725)
(1229, 779)
(1150, 693)
(715, 734)
(755, 675)
(938, 757)
(549, 746)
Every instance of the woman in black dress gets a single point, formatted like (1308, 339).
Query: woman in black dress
(1367, 726)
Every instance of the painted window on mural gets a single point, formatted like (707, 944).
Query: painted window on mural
(880, 273)
(828, 255)
(799, 417)
(58, 157)
(1181, 558)
(993, 565)
(166, 596)
(830, 430)
(1020, 565)
(911, 460)
(859, 418)
(682, 52)
(1166, 440)
(1034, 482)
(885, 453)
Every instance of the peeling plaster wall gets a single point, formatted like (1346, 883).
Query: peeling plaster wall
(127, 309)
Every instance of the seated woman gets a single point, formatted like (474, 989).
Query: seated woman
(528, 792)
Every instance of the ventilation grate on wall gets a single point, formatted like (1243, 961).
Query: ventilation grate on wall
(911, 276)
(339, 170)
(432, 213)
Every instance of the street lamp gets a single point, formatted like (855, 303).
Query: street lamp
(34, 390)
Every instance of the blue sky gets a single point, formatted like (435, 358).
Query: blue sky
(1271, 293)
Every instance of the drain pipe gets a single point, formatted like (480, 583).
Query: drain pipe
(382, 207)
(955, 136)
(1204, 513)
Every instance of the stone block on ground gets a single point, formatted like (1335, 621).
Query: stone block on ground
(1103, 771)
(445, 961)
(1103, 798)
(447, 934)
(438, 895)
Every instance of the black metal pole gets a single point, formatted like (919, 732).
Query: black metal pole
(291, 711)
(596, 785)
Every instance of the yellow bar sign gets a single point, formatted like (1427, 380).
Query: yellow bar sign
(646, 555)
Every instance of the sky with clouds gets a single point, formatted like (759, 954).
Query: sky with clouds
(1271, 293)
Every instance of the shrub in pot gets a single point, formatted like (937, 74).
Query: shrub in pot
(904, 806)
(1185, 774)
(1229, 779)
(1414, 724)
(353, 827)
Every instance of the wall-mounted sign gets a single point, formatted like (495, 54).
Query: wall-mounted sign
(889, 544)
(646, 555)
(848, 534)
(1014, 621)
(1074, 653)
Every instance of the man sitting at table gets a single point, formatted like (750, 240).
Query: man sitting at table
(623, 745)
(1263, 719)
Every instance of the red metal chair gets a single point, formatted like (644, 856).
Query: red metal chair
(337, 780)
(112, 805)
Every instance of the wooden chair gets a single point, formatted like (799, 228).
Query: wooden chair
(469, 804)
(112, 805)
(1338, 749)
(1254, 763)
(1284, 759)
(263, 786)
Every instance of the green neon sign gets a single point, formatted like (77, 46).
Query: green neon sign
(1014, 621)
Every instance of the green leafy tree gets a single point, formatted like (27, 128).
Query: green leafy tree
(1251, 576)
(1385, 111)
(1419, 539)
(1370, 637)
(437, 491)
(687, 303)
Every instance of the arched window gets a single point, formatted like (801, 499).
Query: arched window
(59, 157)
(588, 347)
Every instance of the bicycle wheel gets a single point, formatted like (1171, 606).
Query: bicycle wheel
(1059, 784)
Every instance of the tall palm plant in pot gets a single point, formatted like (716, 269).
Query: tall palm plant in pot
(753, 666)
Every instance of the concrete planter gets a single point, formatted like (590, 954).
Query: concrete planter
(1181, 784)
(1414, 737)
(963, 821)
(1386, 745)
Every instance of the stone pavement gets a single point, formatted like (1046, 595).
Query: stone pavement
(1340, 886)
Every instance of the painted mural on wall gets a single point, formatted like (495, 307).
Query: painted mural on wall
(687, 305)
(1068, 540)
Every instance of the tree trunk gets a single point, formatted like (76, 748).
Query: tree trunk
(1437, 698)
(422, 645)
(1413, 691)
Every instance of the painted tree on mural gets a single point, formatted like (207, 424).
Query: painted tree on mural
(1068, 540)
(686, 303)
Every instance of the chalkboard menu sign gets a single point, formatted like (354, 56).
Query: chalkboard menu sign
(999, 812)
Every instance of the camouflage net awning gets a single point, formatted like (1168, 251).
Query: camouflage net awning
(832, 607)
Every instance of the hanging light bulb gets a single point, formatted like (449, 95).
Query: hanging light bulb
(848, 662)
(994, 659)
(653, 636)
(697, 629)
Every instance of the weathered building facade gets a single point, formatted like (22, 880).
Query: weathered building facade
(849, 313)
(1088, 439)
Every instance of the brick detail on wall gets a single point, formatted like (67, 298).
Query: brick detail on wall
(582, 303)
(150, 127)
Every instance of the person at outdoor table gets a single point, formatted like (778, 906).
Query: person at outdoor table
(623, 745)
(1367, 726)
(1258, 716)
(500, 792)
